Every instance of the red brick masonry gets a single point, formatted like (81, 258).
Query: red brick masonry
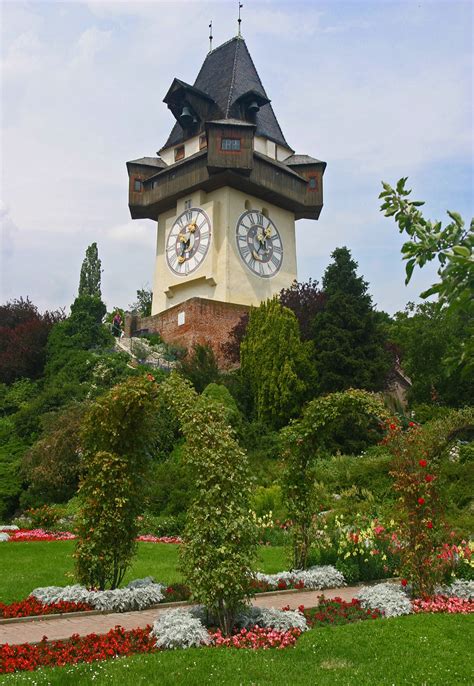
(196, 320)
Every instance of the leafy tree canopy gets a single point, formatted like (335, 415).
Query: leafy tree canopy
(428, 338)
(23, 335)
(305, 300)
(142, 304)
(452, 245)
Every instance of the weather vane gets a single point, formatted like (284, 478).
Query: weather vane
(240, 20)
(210, 36)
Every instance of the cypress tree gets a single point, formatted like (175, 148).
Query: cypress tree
(348, 342)
(89, 281)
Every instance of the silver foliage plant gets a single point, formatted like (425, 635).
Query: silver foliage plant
(271, 618)
(179, 629)
(460, 588)
(4, 537)
(390, 599)
(315, 578)
(138, 595)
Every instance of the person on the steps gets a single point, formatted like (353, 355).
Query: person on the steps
(117, 325)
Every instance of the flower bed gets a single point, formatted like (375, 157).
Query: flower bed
(33, 607)
(257, 638)
(331, 612)
(393, 600)
(15, 535)
(148, 538)
(441, 603)
(117, 642)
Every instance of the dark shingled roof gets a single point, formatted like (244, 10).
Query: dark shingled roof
(149, 162)
(294, 160)
(227, 73)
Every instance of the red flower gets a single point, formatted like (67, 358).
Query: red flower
(421, 501)
(422, 463)
(429, 477)
(404, 582)
(429, 525)
(393, 427)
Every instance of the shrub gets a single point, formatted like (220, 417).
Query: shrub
(317, 430)
(132, 597)
(280, 620)
(200, 366)
(179, 629)
(220, 535)
(389, 599)
(117, 434)
(415, 470)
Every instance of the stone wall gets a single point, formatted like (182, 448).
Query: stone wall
(197, 320)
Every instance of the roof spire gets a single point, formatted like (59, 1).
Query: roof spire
(239, 21)
(210, 36)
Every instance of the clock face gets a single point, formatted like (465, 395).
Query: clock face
(259, 244)
(188, 241)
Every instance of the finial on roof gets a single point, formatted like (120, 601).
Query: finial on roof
(239, 20)
(210, 36)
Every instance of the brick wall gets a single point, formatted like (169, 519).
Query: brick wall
(197, 320)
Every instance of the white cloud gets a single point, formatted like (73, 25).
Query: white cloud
(91, 42)
(142, 232)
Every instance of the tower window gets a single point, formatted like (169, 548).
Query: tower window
(179, 153)
(230, 144)
(137, 186)
(202, 141)
(313, 183)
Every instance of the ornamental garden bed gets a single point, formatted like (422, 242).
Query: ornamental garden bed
(256, 629)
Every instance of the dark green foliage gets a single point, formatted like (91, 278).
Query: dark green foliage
(305, 439)
(51, 466)
(429, 338)
(142, 305)
(82, 330)
(11, 451)
(171, 488)
(221, 395)
(89, 282)
(349, 346)
(200, 367)
(275, 363)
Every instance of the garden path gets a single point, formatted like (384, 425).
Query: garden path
(63, 627)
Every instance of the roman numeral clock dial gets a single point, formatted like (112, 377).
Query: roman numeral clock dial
(188, 241)
(259, 244)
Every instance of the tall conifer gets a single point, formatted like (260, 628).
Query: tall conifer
(348, 342)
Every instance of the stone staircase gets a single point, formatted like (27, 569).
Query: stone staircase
(140, 350)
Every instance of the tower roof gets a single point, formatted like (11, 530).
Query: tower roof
(227, 74)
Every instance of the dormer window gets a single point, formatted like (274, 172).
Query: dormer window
(179, 153)
(230, 144)
(137, 185)
(313, 183)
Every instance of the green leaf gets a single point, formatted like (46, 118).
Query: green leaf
(462, 250)
(409, 270)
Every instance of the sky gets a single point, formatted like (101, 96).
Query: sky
(379, 90)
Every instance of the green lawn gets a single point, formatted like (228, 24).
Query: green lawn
(421, 650)
(25, 566)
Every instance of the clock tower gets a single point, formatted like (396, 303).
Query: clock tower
(225, 191)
